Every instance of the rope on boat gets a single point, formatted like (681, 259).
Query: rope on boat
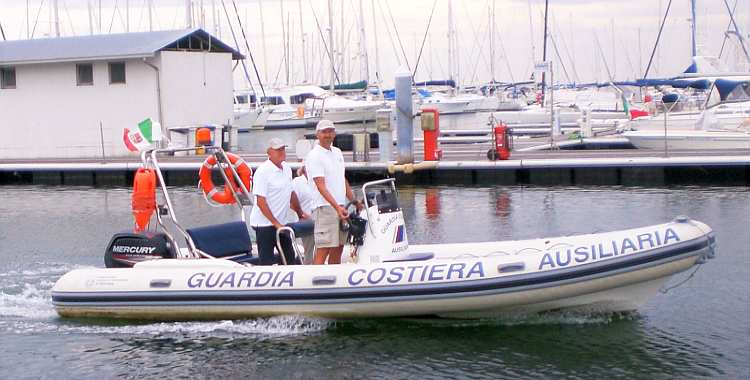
(665, 290)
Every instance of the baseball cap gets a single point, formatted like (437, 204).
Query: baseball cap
(324, 124)
(275, 143)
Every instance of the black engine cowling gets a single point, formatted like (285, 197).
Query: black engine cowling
(128, 248)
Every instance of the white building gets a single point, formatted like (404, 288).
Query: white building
(73, 97)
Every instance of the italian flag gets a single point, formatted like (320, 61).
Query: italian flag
(143, 137)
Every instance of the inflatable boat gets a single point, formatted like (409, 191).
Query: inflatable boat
(213, 276)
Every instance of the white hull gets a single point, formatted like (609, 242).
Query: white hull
(689, 140)
(538, 116)
(615, 271)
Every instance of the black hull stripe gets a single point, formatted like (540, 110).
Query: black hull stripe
(599, 269)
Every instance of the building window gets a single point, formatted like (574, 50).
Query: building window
(116, 72)
(85, 74)
(7, 77)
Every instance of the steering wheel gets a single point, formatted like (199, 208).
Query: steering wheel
(350, 204)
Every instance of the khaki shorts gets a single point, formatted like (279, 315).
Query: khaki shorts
(328, 234)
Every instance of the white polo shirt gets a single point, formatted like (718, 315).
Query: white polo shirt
(321, 162)
(304, 194)
(275, 184)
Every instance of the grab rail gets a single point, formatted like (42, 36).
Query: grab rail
(150, 158)
(293, 238)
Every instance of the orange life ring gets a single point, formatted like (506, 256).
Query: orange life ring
(225, 196)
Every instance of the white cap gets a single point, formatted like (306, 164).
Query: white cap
(324, 124)
(275, 143)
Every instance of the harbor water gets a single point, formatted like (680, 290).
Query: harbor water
(697, 328)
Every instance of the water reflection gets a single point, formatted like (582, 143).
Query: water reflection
(432, 203)
(549, 346)
(697, 329)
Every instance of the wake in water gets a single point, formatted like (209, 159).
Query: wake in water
(26, 308)
(272, 326)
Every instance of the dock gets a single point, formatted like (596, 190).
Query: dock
(465, 165)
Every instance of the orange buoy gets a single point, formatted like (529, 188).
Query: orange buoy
(203, 136)
(144, 197)
(225, 196)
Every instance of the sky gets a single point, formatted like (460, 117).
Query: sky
(593, 39)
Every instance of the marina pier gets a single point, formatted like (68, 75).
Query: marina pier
(465, 166)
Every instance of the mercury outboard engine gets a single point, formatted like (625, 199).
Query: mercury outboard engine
(128, 248)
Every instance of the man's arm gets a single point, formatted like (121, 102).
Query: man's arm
(350, 195)
(349, 192)
(320, 183)
(266, 211)
(294, 203)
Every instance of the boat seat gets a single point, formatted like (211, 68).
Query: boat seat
(228, 240)
(303, 228)
(419, 256)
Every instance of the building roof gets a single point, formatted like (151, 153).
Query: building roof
(109, 46)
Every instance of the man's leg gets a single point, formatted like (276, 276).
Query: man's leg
(326, 226)
(308, 242)
(265, 239)
(334, 255)
(321, 254)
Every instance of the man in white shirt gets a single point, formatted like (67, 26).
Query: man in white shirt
(325, 170)
(272, 187)
(304, 193)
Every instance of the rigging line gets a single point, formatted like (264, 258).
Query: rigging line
(557, 53)
(726, 36)
(236, 43)
(398, 37)
(247, 46)
(112, 20)
(427, 30)
(479, 49)
(627, 56)
(278, 72)
(70, 19)
(658, 36)
(604, 59)
(507, 62)
(36, 20)
(2, 31)
(737, 31)
(348, 37)
(325, 45)
(566, 50)
(390, 36)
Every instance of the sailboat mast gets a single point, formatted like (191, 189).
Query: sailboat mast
(342, 46)
(544, 46)
(692, 27)
(303, 51)
(375, 33)
(531, 35)
(330, 43)
(127, 16)
(450, 39)
(364, 66)
(189, 14)
(263, 41)
(150, 16)
(283, 43)
(57, 20)
(492, 42)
